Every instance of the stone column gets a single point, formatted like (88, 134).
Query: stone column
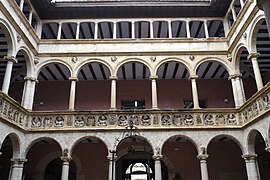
(151, 29)
(187, 29)
(21, 4)
(39, 29)
(112, 160)
(78, 31)
(264, 5)
(59, 31)
(158, 170)
(253, 57)
(241, 3)
(154, 91)
(251, 166)
(7, 78)
(65, 167)
(113, 92)
(114, 30)
(29, 92)
(72, 93)
(238, 90)
(133, 30)
(96, 31)
(30, 17)
(203, 163)
(206, 29)
(17, 168)
(170, 29)
(194, 91)
(233, 13)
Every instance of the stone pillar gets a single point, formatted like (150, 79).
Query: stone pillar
(78, 31)
(226, 26)
(195, 95)
(30, 17)
(72, 93)
(17, 168)
(65, 167)
(7, 78)
(59, 31)
(114, 30)
(151, 29)
(96, 31)
(203, 163)
(29, 92)
(154, 91)
(238, 90)
(251, 166)
(206, 29)
(264, 5)
(39, 29)
(187, 29)
(133, 30)
(253, 57)
(158, 170)
(21, 4)
(112, 160)
(170, 29)
(241, 3)
(233, 13)
(113, 92)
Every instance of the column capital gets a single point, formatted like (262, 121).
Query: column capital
(111, 158)
(202, 156)
(73, 79)
(31, 79)
(157, 157)
(267, 149)
(18, 160)
(252, 56)
(249, 156)
(155, 77)
(233, 76)
(193, 76)
(11, 59)
(65, 159)
(113, 78)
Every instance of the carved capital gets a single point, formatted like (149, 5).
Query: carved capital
(234, 76)
(248, 157)
(113, 78)
(202, 156)
(73, 79)
(32, 79)
(267, 149)
(153, 77)
(252, 56)
(66, 159)
(18, 161)
(157, 157)
(193, 76)
(11, 59)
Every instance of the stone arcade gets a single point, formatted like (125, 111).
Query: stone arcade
(191, 77)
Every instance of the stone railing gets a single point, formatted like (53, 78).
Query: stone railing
(255, 107)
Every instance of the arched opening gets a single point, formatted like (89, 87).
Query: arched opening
(262, 46)
(93, 87)
(257, 143)
(173, 86)
(9, 149)
(182, 154)
(133, 86)
(54, 168)
(19, 71)
(92, 154)
(39, 157)
(135, 151)
(246, 70)
(214, 89)
(225, 159)
(52, 91)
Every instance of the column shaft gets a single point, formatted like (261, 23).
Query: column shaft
(16, 169)
(195, 93)
(206, 29)
(240, 90)
(251, 167)
(112, 175)
(133, 30)
(158, 170)
(187, 29)
(96, 31)
(151, 29)
(65, 171)
(113, 92)
(78, 31)
(7, 78)
(21, 4)
(30, 17)
(204, 169)
(235, 97)
(114, 30)
(154, 92)
(29, 93)
(59, 31)
(266, 9)
(170, 29)
(72, 93)
(253, 57)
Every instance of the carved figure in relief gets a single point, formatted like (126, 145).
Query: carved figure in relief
(145, 120)
(188, 118)
(91, 121)
(166, 120)
(102, 120)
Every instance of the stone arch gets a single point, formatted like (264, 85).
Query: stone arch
(43, 163)
(89, 61)
(236, 57)
(234, 139)
(31, 143)
(29, 60)
(53, 61)
(178, 60)
(136, 60)
(213, 59)
(184, 136)
(83, 138)
(9, 36)
(16, 144)
(254, 28)
(251, 140)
